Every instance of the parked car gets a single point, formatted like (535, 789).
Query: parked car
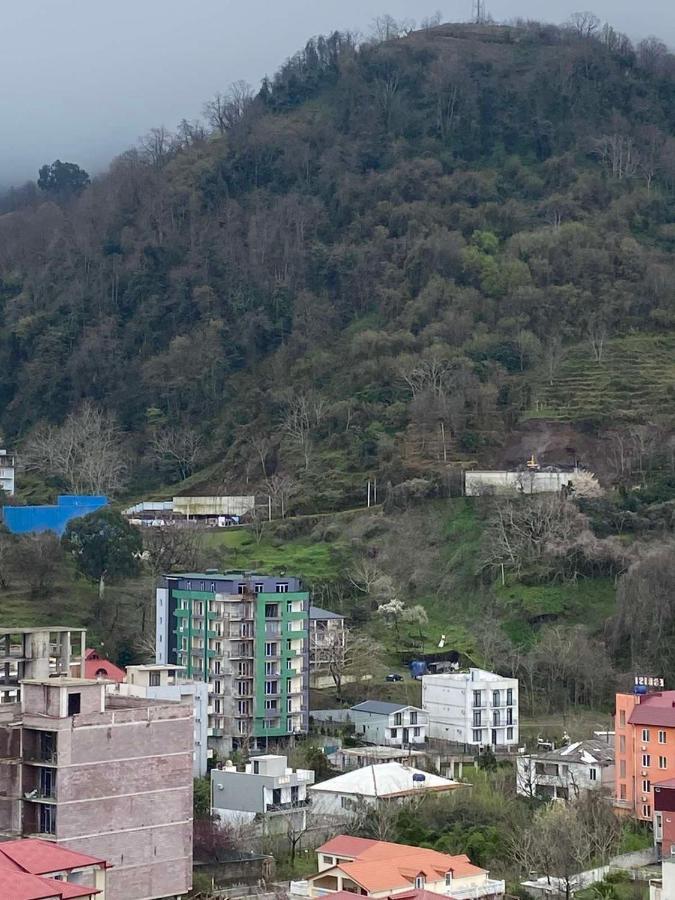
(393, 676)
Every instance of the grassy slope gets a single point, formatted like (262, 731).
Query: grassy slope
(635, 379)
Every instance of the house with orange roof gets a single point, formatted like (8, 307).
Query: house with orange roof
(32, 869)
(385, 870)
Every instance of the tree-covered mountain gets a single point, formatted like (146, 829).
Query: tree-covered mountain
(391, 257)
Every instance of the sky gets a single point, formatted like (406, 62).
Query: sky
(82, 80)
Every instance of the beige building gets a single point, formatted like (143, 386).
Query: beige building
(383, 869)
(107, 776)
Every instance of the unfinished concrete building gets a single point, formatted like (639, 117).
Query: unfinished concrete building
(37, 653)
(106, 775)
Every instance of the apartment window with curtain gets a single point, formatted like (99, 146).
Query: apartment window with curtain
(645, 734)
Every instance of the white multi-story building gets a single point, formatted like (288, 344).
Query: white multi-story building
(7, 467)
(477, 708)
(165, 682)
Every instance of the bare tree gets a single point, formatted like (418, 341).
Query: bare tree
(281, 488)
(341, 652)
(167, 547)
(157, 146)
(85, 453)
(584, 24)
(180, 445)
(37, 557)
(259, 519)
(226, 110)
(597, 333)
(304, 413)
(364, 575)
(619, 154)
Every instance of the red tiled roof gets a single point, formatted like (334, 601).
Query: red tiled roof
(655, 709)
(15, 885)
(21, 886)
(345, 845)
(42, 857)
(71, 891)
(96, 667)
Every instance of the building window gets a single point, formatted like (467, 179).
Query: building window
(271, 610)
(413, 718)
(345, 802)
(241, 588)
(622, 768)
(622, 743)
(397, 718)
(416, 732)
(419, 882)
(477, 718)
(509, 716)
(271, 648)
(622, 792)
(327, 860)
(394, 732)
(46, 818)
(271, 668)
(271, 687)
(662, 737)
(645, 734)
(646, 760)
(496, 698)
(509, 734)
(509, 696)
(646, 785)
(282, 587)
(663, 762)
(477, 736)
(259, 587)
(477, 698)
(496, 721)
(74, 703)
(154, 679)
(593, 774)
(622, 718)
(271, 704)
(646, 811)
(448, 879)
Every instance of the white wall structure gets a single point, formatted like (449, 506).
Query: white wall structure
(165, 682)
(213, 506)
(663, 888)
(476, 708)
(567, 772)
(7, 469)
(527, 481)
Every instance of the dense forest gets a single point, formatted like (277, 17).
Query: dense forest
(380, 263)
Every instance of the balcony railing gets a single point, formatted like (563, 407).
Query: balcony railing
(284, 807)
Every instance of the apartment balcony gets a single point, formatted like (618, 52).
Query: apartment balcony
(286, 807)
(214, 732)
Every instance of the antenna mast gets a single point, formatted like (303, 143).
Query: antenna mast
(478, 11)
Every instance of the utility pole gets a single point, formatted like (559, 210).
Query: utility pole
(478, 12)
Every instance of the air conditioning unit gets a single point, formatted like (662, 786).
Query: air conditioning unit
(644, 747)
(645, 772)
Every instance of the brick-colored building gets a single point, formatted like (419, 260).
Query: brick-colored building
(644, 748)
(664, 818)
(105, 775)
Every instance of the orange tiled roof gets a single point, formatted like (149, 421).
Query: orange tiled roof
(382, 866)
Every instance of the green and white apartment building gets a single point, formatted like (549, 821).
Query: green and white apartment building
(245, 635)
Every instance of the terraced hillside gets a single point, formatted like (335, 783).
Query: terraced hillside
(634, 379)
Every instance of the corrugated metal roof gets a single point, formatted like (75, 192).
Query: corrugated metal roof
(315, 612)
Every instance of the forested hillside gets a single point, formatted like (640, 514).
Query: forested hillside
(385, 261)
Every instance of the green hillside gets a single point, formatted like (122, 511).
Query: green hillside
(635, 378)
(362, 270)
